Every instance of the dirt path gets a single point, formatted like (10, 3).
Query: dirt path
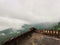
(35, 39)
(38, 39)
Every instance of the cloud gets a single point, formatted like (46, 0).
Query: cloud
(33, 11)
(6, 23)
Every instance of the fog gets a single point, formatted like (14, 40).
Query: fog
(15, 24)
(31, 10)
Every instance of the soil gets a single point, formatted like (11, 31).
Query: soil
(39, 39)
(34, 39)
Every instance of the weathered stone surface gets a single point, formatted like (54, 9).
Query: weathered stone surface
(36, 39)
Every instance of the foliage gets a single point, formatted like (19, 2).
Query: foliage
(57, 27)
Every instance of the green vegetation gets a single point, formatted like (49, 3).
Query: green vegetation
(10, 33)
(57, 27)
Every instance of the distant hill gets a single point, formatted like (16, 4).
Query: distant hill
(44, 25)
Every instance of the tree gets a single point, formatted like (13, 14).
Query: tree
(59, 25)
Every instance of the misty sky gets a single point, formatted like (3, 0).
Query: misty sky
(31, 10)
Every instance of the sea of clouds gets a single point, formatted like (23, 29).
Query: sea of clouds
(15, 13)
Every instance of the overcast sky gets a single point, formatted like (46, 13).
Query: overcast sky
(31, 10)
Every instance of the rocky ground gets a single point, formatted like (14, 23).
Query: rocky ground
(36, 39)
